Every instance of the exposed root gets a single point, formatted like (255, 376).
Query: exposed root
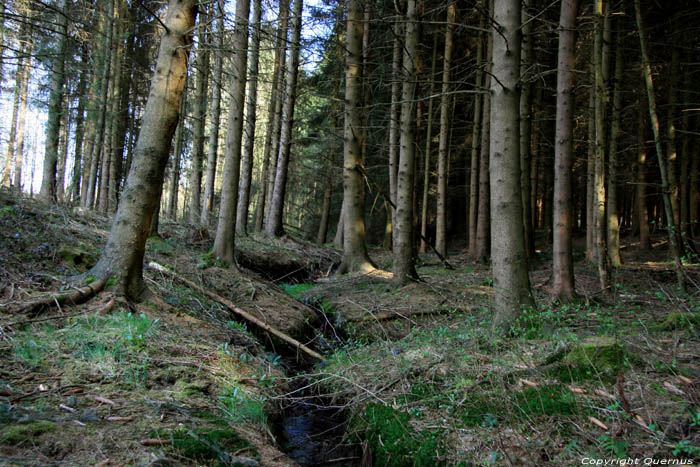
(57, 299)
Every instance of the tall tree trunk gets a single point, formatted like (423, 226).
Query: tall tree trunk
(511, 282)
(673, 237)
(476, 132)
(641, 183)
(104, 64)
(200, 115)
(326, 207)
(78, 168)
(249, 136)
(404, 267)
(177, 154)
(21, 123)
(590, 178)
(599, 177)
(53, 125)
(394, 122)
(212, 153)
(63, 145)
(12, 139)
(124, 252)
(225, 241)
(483, 223)
(355, 256)
(279, 99)
(562, 255)
(526, 127)
(671, 149)
(616, 117)
(443, 151)
(274, 227)
(428, 147)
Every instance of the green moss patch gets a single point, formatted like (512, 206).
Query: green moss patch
(296, 290)
(202, 444)
(76, 256)
(17, 434)
(394, 442)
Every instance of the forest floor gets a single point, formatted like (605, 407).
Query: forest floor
(412, 374)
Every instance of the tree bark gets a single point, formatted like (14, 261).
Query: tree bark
(249, 135)
(212, 153)
(274, 226)
(200, 115)
(355, 256)
(599, 176)
(562, 255)
(511, 282)
(428, 148)
(53, 125)
(526, 127)
(476, 132)
(225, 241)
(21, 123)
(443, 151)
(613, 220)
(177, 154)
(641, 183)
(394, 123)
(124, 252)
(404, 267)
(673, 239)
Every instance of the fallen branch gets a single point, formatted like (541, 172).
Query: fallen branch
(394, 315)
(74, 297)
(240, 312)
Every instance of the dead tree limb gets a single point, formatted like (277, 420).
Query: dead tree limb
(240, 312)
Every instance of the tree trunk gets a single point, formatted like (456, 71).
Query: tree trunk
(599, 176)
(443, 151)
(526, 128)
(79, 132)
(326, 207)
(274, 227)
(225, 241)
(641, 184)
(511, 282)
(673, 239)
(123, 254)
(590, 178)
(11, 142)
(212, 155)
(354, 247)
(177, 154)
(53, 124)
(404, 267)
(671, 149)
(562, 255)
(21, 123)
(394, 123)
(104, 64)
(63, 145)
(249, 136)
(200, 115)
(616, 117)
(278, 98)
(476, 132)
(426, 157)
(483, 223)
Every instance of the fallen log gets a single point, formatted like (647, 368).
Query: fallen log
(389, 315)
(240, 312)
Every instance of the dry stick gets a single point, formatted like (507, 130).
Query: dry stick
(393, 315)
(242, 313)
(393, 206)
(75, 297)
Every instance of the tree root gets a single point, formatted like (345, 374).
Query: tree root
(242, 313)
(57, 299)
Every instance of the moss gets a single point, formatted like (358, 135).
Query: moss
(76, 256)
(203, 444)
(18, 434)
(679, 320)
(545, 400)
(393, 440)
(296, 290)
(602, 353)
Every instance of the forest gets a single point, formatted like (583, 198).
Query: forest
(349, 233)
